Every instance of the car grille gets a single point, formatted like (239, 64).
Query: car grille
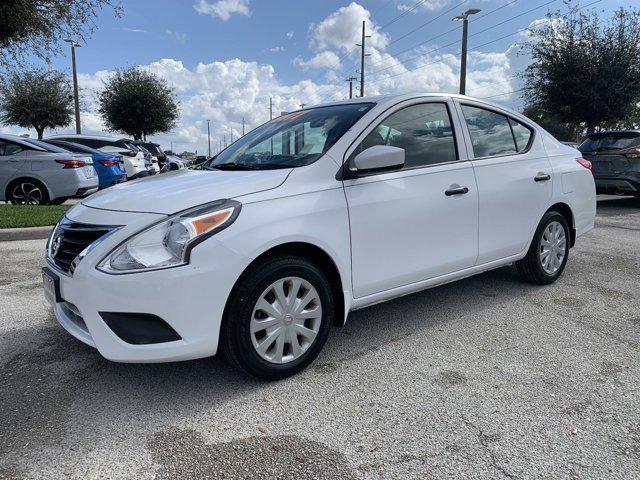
(71, 238)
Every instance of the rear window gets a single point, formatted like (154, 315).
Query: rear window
(610, 141)
(47, 146)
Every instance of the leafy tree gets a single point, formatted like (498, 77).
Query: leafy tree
(37, 26)
(560, 130)
(38, 98)
(585, 72)
(138, 103)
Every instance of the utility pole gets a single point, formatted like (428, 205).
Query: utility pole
(209, 136)
(464, 18)
(76, 98)
(302, 105)
(225, 140)
(243, 126)
(230, 135)
(362, 56)
(350, 80)
(270, 108)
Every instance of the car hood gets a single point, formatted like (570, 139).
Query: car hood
(173, 192)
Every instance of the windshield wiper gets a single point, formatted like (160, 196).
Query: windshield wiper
(234, 166)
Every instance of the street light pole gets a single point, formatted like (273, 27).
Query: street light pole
(209, 136)
(464, 18)
(76, 98)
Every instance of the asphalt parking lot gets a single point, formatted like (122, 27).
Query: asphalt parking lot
(484, 378)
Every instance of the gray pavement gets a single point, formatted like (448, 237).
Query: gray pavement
(484, 378)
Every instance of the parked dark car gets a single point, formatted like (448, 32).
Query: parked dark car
(110, 168)
(615, 157)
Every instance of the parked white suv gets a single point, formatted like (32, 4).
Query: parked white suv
(308, 217)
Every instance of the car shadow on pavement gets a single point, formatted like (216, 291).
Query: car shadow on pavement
(612, 205)
(59, 388)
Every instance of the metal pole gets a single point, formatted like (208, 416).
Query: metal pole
(76, 98)
(243, 126)
(362, 61)
(463, 57)
(270, 108)
(209, 136)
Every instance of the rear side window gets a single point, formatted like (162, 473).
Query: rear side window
(424, 132)
(8, 148)
(521, 133)
(490, 132)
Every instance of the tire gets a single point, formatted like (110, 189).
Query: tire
(58, 201)
(27, 191)
(300, 280)
(532, 268)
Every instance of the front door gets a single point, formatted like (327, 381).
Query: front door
(418, 222)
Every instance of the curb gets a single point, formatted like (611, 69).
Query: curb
(29, 233)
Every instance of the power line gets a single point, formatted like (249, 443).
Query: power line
(407, 11)
(455, 42)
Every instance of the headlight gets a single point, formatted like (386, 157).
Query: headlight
(168, 243)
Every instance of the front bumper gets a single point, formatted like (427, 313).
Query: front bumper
(190, 299)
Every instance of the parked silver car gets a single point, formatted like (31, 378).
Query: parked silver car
(36, 173)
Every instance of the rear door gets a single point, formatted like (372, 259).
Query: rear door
(406, 225)
(12, 160)
(513, 175)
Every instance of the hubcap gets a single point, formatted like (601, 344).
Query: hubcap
(26, 193)
(553, 247)
(286, 320)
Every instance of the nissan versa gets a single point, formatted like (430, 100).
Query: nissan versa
(308, 217)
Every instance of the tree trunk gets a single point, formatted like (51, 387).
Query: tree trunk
(40, 131)
(590, 128)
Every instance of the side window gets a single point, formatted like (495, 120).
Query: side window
(490, 132)
(424, 131)
(521, 133)
(8, 148)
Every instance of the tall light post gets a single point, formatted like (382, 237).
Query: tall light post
(464, 18)
(209, 137)
(76, 98)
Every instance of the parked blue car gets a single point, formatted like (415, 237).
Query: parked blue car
(110, 168)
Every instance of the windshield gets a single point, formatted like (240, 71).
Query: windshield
(293, 140)
(610, 141)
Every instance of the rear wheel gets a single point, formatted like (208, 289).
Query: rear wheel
(278, 318)
(549, 251)
(28, 192)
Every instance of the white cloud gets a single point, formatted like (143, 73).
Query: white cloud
(222, 9)
(177, 36)
(324, 59)
(276, 49)
(289, 34)
(343, 29)
(134, 30)
(430, 5)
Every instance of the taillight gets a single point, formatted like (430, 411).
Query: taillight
(128, 153)
(585, 163)
(108, 163)
(72, 163)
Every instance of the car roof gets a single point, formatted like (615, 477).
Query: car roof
(396, 98)
(19, 139)
(105, 138)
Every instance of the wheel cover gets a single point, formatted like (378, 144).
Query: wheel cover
(26, 193)
(286, 320)
(553, 247)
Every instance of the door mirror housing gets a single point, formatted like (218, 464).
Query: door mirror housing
(379, 157)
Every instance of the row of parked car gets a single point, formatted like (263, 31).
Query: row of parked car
(45, 172)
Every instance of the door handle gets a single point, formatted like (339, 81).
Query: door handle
(456, 190)
(542, 177)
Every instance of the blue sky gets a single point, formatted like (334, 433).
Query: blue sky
(227, 57)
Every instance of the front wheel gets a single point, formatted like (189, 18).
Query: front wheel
(549, 251)
(278, 318)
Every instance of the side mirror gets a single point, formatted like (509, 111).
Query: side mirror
(379, 157)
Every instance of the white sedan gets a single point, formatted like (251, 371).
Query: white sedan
(311, 216)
